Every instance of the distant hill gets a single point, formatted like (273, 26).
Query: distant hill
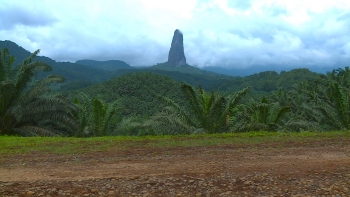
(109, 65)
(185, 69)
(138, 92)
(265, 81)
(243, 72)
(84, 73)
(70, 71)
(87, 72)
(220, 70)
(186, 73)
(269, 80)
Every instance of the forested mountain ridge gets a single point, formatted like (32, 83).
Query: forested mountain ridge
(108, 65)
(263, 82)
(243, 72)
(138, 93)
(70, 71)
(89, 72)
(185, 73)
(147, 103)
(187, 69)
(270, 80)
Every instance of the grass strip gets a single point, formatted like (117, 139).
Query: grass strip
(13, 145)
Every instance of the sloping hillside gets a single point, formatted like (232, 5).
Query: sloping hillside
(138, 92)
(84, 73)
(109, 65)
(70, 71)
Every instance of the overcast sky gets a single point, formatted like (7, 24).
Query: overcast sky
(226, 33)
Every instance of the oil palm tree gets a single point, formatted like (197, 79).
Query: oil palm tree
(336, 94)
(96, 118)
(312, 106)
(209, 111)
(262, 115)
(26, 108)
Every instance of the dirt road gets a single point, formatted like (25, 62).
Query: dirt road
(289, 169)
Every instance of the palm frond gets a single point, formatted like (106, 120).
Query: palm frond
(34, 131)
(6, 62)
(41, 87)
(25, 73)
(281, 113)
(191, 97)
(181, 112)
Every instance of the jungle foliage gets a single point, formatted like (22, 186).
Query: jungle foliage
(152, 103)
(95, 117)
(26, 108)
(138, 93)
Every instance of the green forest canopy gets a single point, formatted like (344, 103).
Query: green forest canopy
(153, 100)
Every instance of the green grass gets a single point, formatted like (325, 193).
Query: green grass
(11, 145)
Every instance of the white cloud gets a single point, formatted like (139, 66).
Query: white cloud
(229, 33)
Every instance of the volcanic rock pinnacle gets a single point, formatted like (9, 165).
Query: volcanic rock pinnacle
(176, 54)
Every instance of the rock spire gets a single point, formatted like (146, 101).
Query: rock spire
(176, 54)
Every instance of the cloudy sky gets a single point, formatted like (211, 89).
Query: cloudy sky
(226, 33)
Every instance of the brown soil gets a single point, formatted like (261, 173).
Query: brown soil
(294, 169)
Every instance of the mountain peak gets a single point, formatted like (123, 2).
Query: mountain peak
(176, 54)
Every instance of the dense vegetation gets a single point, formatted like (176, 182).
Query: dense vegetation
(25, 106)
(161, 100)
(139, 93)
(269, 81)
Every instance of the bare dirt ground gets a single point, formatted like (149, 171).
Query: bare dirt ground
(317, 168)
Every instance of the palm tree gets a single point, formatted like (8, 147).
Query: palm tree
(166, 122)
(336, 93)
(96, 117)
(25, 107)
(209, 111)
(262, 115)
(301, 115)
(312, 106)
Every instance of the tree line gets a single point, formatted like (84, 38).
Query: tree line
(151, 104)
